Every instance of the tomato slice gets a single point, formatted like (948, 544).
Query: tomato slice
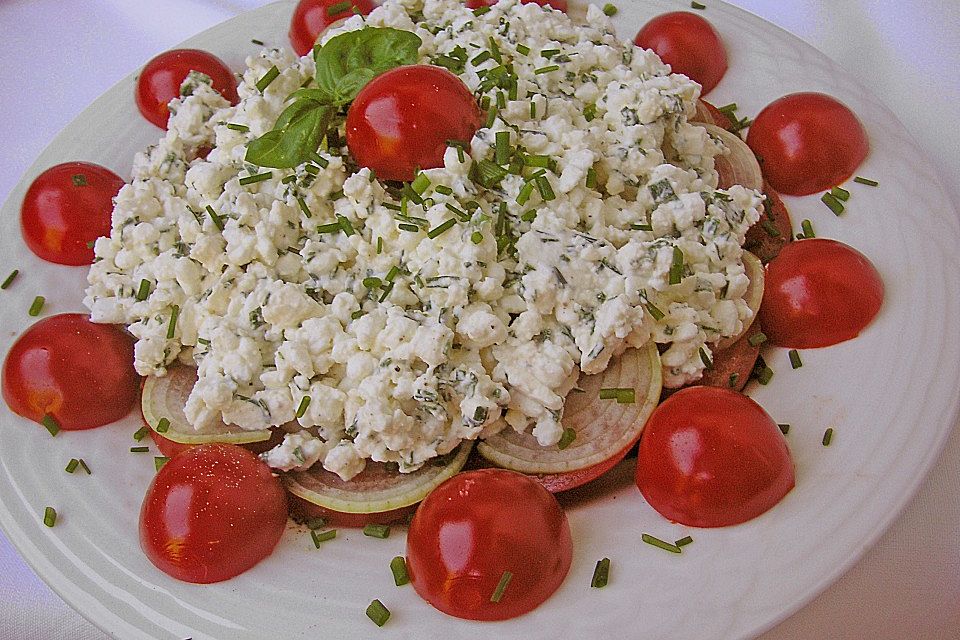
(772, 231)
(303, 510)
(733, 365)
(169, 448)
(689, 44)
(474, 529)
(566, 480)
(312, 17)
(160, 81)
(712, 457)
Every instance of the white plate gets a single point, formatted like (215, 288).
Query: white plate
(890, 395)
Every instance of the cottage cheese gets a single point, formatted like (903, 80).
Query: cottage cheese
(469, 336)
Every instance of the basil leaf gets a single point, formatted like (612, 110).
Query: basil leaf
(298, 132)
(350, 60)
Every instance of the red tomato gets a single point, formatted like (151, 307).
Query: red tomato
(559, 5)
(689, 44)
(819, 292)
(160, 81)
(773, 230)
(478, 525)
(712, 457)
(302, 510)
(67, 367)
(311, 17)
(807, 142)
(211, 513)
(566, 480)
(403, 119)
(733, 365)
(67, 206)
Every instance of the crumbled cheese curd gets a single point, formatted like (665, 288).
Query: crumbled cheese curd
(484, 327)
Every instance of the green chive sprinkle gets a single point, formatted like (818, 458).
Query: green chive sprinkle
(72, 465)
(356, 314)
(51, 424)
(696, 5)
(139, 449)
(288, 179)
(654, 311)
(159, 461)
(392, 274)
(346, 226)
(163, 425)
(441, 228)
(476, 237)
(657, 542)
(623, 395)
(398, 567)
(807, 228)
(217, 219)
(333, 227)
(318, 159)
(267, 78)
(316, 523)
(546, 191)
(79, 180)
(529, 216)
(707, 362)
(260, 177)
(501, 586)
(501, 100)
(10, 278)
(784, 428)
(642, 227)
(381, 531)
(172, 327)
(676, 267)
(732, 382)
(591, 178)
(319, 537)
(827, 437)
(610, 9)
(312, 169)
(502, 147)
(590, 112)
(37, 306)
(832, 203)
(379, 245)
(547, 69)
(143, 291)
(866, 181)
(49, 516)
(533, 109)
(340, 7)
(684, 541)
(304, 207)
(770, 228)
(444, 189)
(525, 192)
(757, 339)
(302, 408)
(242, 128)
(463, 215)
(421, 183)
(601, 573)
(795, 361)
(408, 227)
(375, 610)
(764, 375)
(372, 282)
(840, 194)
(141, 433)
(386, 292)
(566, 439)
(259, 43)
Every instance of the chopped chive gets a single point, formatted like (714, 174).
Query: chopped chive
(491, 116)
(501, 100)
(51, 424)
(547, 69)
(529, 216)
(392, 274)
(827, 437)
(590, 112)
(304, 207)
(784, 428)
(259, 43)
(379, 245)
(143, 291)
(141, 433)
(302, 408)
(346, 226)
(480, 58)
(538, 161)
(610, 9)
(441, 228)
(732, 382)
(501, 586)
(567, 438)
(764, 375)
(676, 267)
(490, 174)
(332, 227)
(654, 311)
(807, 228)
(533, 109)
(421, 183)
(10, 278)
(386, 292)
(37, 306)
(795, 361)
(172, 327)
(372, 282)
(463, 215)
(139, 449)
(242, 128)
(408, 227)
(657, 542)
(866, 181)
(546, 191)
(316, 523)
(444, 189)
(707, 362)
(641, 227)
(832, 203)
(79, 180)
(217, 219)
(697, 5)
(72, 465)
(356, 314)
(318, 159)
(319, 537)
(770, 228)
(591, 178)
(502, 146)
(757, 339)
(840, 193)
(267, 78)
(525, 192)
(312, 169)
(601, 573)
(684, 541)
(260, 177)
(476, 237)
(398, 567)
(163, 425)
(375, 610)
(83, 465)
(49, 516)
(523, 49)
(381, 531)
(159, 461)
(615, 393)
(340, 7)
(549, 53)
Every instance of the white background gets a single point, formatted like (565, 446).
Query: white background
(59, 55)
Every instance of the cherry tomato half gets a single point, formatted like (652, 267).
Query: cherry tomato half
(74, 370)
(66, 207)
(211, 513)
(712, 457)
(479, 525)
(689, 44)
(807, 142)
(402, 119)
(819, 292)
(311, 17)
(160, 81)
(559, 5)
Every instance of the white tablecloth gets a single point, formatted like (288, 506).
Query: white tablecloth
(61, 54)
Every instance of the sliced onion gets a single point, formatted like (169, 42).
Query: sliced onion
(739, 165)
(753, 296)
(604, 428)
(379, 487)
(165, 397)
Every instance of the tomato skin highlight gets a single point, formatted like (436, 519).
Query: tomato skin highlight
(559, 5)
(311, 17)
(808, 142)
(712, 457)
(211, 513)
(160, 81)
(689, 44)
(478, 525)
(67, 206)
(402, 119)
(77, 371)
(819, 292)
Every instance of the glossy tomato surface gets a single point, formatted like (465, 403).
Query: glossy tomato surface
(807, 142)
(79, 372)
(66, 208)
(402, 120)
(311, 17)
(712, 457)
(475, 527)
(819, 292)
(689, 44)
(211, 513)
(559, 5)
(160, 81)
